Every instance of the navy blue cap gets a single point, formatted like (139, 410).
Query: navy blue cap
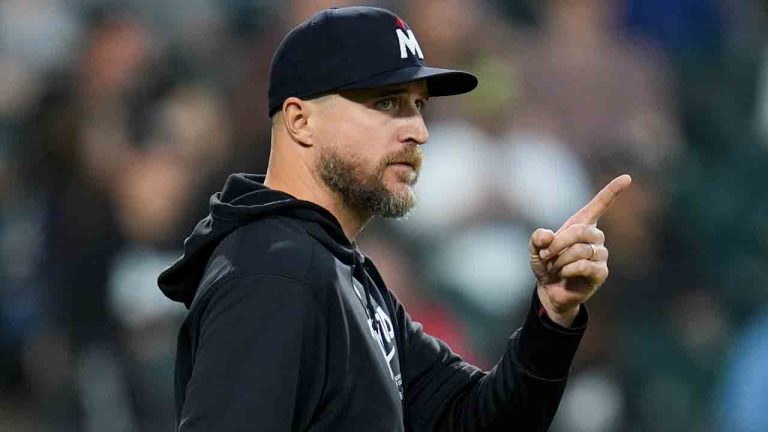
(354, 48)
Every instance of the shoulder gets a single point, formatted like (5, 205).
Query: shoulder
(257, 254)
(278, 247)
(274, 246)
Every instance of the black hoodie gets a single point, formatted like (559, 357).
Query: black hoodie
(291, 328)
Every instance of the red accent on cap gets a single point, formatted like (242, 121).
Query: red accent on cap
(400, 23)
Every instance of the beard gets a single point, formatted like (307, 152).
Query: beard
(365, 192)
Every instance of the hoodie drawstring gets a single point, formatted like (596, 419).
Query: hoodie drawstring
(371, 312)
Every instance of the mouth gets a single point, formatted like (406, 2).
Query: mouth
(402, 164)
(405, 172)
(406, 164)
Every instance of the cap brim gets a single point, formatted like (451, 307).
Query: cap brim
(440, 82)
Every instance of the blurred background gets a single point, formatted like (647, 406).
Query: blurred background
(118, 119)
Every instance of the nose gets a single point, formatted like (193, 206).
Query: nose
(416, 130)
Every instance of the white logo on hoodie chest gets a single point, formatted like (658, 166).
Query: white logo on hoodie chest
(385, 339)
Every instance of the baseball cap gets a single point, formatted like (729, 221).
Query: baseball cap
(354, 48)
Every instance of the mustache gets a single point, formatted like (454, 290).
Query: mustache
(410, 155)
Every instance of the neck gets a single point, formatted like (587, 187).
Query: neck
(308, 188)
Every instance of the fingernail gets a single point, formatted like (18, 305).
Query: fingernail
(544, 253)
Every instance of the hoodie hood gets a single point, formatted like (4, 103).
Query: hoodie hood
(245, 199)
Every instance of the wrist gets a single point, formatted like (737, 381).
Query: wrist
(564, 319)
(561, 316)
(544, 347)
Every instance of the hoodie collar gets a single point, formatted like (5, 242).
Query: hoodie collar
(245, 199)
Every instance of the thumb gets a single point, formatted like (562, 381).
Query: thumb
(540, 239)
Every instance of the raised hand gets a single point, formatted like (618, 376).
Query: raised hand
(572, 263)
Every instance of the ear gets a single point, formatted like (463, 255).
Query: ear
(296, 114)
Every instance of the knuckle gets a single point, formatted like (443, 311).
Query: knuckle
(572, 230)
(583, 267)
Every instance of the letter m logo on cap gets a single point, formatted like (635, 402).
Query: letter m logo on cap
(407, 39)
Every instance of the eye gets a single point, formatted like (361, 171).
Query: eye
(421, 104)
(385, 104)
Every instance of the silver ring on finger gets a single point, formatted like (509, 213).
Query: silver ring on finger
(592, 246)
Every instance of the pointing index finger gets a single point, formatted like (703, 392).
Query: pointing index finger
(591, 213)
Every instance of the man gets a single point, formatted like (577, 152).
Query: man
(290, 326)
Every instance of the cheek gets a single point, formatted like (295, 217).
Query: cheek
(355, 137)
(341, 132)
(358, 134)
(366, 132)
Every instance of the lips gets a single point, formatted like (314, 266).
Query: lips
(410, 157)
(410, 164)
(413, 164)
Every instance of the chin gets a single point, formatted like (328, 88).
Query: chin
(404, 191)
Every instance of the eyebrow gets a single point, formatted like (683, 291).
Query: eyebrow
(396, 91)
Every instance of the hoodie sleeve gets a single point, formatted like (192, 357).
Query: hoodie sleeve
(522, 392)
(253, 369)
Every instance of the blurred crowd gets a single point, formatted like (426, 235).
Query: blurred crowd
(118, 119)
